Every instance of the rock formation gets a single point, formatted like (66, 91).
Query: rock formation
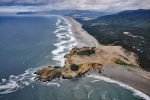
(80, 61)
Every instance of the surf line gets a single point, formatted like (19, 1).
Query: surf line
(135, 92)
(65, 40)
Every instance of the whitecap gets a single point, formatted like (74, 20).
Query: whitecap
(65, 40)
(53, 84)
(58, 22)
(4, 80)
(90, 93)
(95, 81)
(9, 87)
(50, 84)
(17, 82)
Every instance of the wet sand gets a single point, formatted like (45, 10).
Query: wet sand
(129, 75)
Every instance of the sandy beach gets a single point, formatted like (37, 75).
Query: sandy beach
(132, 76)
(82, 37)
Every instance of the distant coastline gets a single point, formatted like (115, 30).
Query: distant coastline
(132, 76)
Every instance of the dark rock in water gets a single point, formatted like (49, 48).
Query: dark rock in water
(64, 77)
(57, 66)
(48, 74)
(100, 71)
(81, 74)
(39, 72)
(35, 73)
(49, 66)
(68, 72)
(55, 74)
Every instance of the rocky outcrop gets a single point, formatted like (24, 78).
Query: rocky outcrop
(80, 61)
(48, 73)
(67, 72)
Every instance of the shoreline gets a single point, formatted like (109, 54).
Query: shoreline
(127, 75)
(134, 77)
(82, 37)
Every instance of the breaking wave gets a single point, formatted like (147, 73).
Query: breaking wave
(65, 40)
(14, 83)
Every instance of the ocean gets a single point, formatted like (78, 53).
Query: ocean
(29, 42)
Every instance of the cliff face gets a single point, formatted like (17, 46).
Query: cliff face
(82, 60)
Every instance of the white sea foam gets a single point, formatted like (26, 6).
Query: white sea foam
(65, 42)
(9, 87)
(4, 80)
(94, 81)
(61, 36)
(53, 84)
(58, 22)
(90, 93)
(17, 82)
(136, 92)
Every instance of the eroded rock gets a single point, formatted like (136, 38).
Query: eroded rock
(80, 61)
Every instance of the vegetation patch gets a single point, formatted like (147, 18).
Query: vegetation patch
(74, 67)
(121, 62)
(86, 52)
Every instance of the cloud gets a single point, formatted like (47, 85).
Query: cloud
(22, 2)
(101, 5)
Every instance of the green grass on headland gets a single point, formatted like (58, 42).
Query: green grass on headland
(121, 62)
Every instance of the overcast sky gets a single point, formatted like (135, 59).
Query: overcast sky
(101, 5)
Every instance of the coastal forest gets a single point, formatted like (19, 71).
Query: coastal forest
(129, 29)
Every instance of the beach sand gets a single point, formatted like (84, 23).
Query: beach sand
(128, 75)
(135, 77)
(82, 37)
